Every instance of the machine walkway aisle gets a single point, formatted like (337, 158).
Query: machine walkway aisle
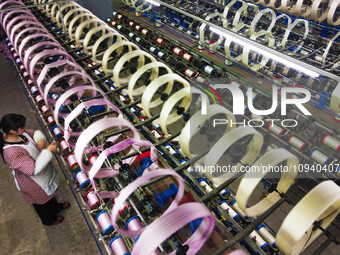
(21, 231)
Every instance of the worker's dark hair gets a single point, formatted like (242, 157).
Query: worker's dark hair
(9, 122)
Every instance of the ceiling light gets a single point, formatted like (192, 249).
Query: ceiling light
(267, 54)
(153, 2)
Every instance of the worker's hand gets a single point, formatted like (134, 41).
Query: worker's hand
(41, 144)
(52, 147)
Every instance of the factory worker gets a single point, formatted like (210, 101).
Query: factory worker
(36, 179)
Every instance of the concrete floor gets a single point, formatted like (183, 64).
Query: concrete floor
(21, 231)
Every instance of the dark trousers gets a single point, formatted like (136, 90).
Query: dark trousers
(48, 212)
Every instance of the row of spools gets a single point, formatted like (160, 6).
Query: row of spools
(273, 158)
(55, 78)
